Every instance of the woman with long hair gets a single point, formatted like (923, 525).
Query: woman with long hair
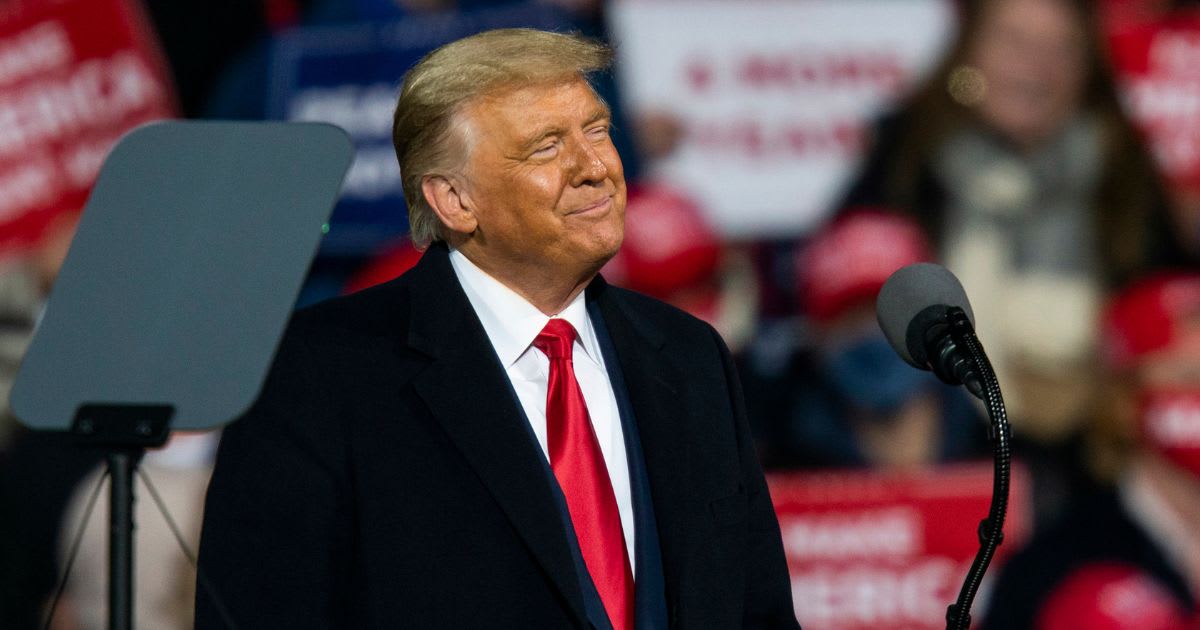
(1017, 159)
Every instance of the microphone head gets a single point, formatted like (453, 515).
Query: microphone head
(914, 298)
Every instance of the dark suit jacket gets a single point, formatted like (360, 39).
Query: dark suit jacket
(387, 477)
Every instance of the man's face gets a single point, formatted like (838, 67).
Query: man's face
(543, 179)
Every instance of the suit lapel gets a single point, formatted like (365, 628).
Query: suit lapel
(654, 386)
(468, 392)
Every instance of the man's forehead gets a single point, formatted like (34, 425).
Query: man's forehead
(534, 104)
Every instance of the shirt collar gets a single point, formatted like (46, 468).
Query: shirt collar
(510, 321)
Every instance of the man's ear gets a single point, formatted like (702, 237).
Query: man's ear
(449, 203)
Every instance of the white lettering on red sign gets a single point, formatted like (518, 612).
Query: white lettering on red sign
(873, 594)
(31, 183)
(98, 92)
(35, 51)
(1176, 425)
(857, 534)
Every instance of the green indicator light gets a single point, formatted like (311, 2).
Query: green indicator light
(324, 228)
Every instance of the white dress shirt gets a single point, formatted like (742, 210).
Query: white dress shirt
(511, 324)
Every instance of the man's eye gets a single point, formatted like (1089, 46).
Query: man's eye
(598, 132)
(546, 150)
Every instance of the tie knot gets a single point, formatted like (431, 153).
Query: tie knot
(556, 339)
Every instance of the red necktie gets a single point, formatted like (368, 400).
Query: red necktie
(578, 464)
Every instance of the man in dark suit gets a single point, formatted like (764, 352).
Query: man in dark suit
(497, 438)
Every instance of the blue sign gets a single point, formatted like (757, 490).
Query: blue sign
(349, 75)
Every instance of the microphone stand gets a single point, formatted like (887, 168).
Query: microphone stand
(991, 529)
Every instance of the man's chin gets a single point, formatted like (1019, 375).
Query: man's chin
(599, 259)
(607, 252)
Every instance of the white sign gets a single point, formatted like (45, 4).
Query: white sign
(776, 97)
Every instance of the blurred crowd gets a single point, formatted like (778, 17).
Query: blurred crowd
(1019, 160)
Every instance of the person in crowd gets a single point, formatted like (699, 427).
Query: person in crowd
(21, 299)
(38, 470)
(1018, 161)
(671, 253)
(846, 399)
(497, 438)
(25, 281)
(1128, 557)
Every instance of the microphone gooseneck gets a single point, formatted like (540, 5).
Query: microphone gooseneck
(926, 317)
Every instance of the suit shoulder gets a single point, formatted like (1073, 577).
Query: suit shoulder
(358, 317)
(653, 308)
(666, 320)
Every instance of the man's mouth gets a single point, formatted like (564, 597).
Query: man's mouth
(596, 207)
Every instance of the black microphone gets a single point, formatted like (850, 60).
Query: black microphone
(925, 315)
(917, 308)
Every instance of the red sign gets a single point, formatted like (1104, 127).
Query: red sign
(74, 76)
(1158, 65)
(887, 550)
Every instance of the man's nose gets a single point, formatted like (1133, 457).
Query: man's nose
(588, 167)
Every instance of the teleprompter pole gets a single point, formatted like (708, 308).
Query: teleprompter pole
(121, 467)
(125, 432)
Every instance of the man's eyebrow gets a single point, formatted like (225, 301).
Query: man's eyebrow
(601, 113)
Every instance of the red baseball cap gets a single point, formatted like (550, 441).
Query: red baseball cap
(1149, 316)
(1111, 595)
(668, 244)
(847, 263)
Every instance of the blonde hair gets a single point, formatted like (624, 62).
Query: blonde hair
(439, 86)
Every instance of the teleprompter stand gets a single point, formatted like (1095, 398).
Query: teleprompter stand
(170, 304)
(125, 431)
